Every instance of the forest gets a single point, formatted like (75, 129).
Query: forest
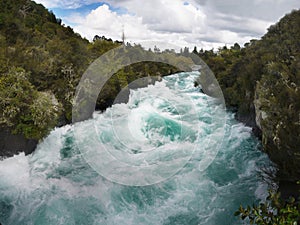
(45, 61)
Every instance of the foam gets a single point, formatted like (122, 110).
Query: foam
(57, 185)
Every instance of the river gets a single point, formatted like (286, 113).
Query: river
(171, 155)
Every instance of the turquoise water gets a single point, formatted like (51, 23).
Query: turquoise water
(170, 156)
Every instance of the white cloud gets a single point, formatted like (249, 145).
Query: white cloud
(165, 15)
(202, 23)
(103, 21)
(170, 22)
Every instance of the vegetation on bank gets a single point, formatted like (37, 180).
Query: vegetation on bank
(261, 81)
(275, 211)
(25, 109)
(41, 63)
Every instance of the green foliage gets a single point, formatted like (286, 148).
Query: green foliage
(100, 46)
(123, 78)
(274, 211)
(261, 82)
(55, 58)
(16, 93)
(23, 108)
(222, 63)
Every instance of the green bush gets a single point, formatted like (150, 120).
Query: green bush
(274, 211)
(24, 109)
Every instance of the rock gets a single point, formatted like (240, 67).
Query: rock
(11, 144)
(249, 119)
(288, 189)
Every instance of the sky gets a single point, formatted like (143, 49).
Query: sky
(172, 23)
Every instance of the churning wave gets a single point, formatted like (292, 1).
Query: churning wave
(200, 164)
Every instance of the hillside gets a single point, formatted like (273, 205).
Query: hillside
(41, 63)
(261, 82)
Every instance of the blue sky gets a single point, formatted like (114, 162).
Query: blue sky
(84, 9)
(202, 23)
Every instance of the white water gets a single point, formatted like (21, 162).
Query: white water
(212, 169)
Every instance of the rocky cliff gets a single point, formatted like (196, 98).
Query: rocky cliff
(12, 144)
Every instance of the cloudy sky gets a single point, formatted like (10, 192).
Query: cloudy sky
(201, 23)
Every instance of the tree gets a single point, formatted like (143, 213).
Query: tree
(195, 50)
(156, 49)
(236, 46)
(25, 110)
